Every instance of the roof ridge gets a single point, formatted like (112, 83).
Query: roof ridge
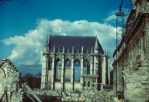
(71, 36)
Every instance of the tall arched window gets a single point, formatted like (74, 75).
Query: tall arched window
(77, 71)
(86, 67)
(58, 70)
(67, 71)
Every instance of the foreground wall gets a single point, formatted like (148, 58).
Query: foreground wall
(9, 82)
(131, 57)
(136, 87)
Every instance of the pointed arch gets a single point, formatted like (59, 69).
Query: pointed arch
(57, 70)
(77, 68)
(67, 71)
(86, 67)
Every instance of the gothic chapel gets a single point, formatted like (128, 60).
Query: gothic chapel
(74, 63)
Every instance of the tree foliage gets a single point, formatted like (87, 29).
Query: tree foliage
(33, 81)
(3, 1)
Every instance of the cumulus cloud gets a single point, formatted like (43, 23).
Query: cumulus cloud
(28, 47)
(111, 19)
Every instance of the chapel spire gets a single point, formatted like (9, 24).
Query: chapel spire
(96, 47)
(46, 47)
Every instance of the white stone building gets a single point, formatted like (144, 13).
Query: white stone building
(74, 63)
(131, 57)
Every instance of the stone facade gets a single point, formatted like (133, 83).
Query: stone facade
(131, 57)
(10, 90)
(61, 57)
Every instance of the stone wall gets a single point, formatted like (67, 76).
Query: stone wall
(136, 83)
(10, 90)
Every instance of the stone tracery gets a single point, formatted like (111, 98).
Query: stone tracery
(92, 70)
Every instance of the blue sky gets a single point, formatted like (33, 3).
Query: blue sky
(23, 27)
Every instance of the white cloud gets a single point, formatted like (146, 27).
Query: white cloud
(28, 48)
(111, 18)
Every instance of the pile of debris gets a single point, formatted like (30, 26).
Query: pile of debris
(79, 96)
(90, 96)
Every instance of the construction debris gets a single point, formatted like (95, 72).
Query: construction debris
(80, 96)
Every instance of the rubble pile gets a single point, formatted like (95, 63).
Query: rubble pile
(90, 96)
(80, 96)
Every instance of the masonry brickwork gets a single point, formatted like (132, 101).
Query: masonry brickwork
(131, 57)
(10, 90)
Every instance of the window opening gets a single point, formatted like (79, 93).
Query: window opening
(77, 71)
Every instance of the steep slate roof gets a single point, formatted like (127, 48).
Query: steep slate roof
(68, 42)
